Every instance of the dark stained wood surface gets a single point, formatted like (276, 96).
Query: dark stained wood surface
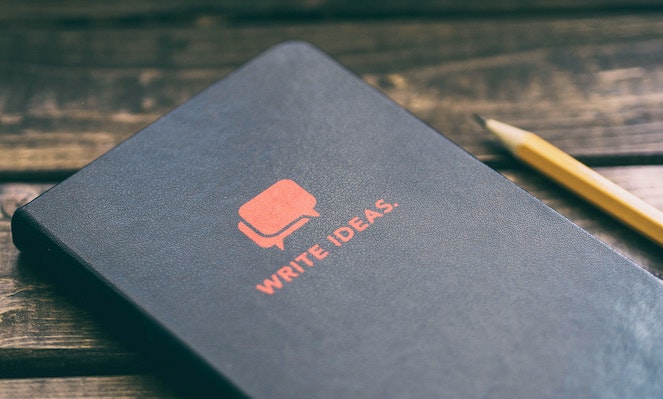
(97, 387)
(591, 85)
(45, 10)
(76, 79)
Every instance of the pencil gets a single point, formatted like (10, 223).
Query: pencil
(577, 177)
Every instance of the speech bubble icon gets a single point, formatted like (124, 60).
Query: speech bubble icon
(276, 213)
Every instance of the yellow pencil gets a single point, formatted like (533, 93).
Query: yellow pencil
(572, 174)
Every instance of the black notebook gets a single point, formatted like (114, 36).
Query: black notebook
(293, 233)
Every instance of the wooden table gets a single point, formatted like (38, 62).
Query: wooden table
(76, 80)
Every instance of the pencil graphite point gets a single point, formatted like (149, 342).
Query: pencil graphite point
(510, 136)
(480, 120)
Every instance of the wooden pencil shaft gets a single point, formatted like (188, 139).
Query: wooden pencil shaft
(577, 177)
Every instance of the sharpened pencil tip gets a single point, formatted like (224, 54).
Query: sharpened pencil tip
(480, 120)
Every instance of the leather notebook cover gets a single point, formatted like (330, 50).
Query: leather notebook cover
(299, 235)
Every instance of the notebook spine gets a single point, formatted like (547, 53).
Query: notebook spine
(44, 251)
(28, 236)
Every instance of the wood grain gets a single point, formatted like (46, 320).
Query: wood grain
(101, 387)
(593, 86)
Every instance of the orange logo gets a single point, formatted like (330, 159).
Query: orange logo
(271, 216)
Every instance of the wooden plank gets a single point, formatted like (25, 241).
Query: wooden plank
(40, 327)
(41, 10)
(120, 386)
(593, 86)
